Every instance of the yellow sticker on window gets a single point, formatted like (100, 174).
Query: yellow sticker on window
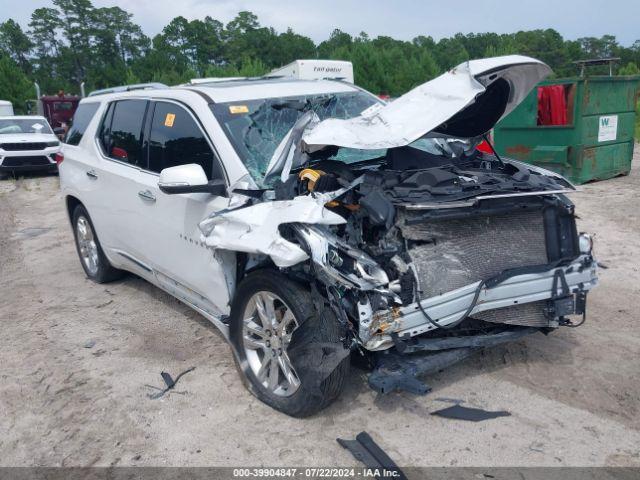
(169, 119)
(238, 109)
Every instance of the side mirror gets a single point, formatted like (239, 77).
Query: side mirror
(189, 178)
(59, 130)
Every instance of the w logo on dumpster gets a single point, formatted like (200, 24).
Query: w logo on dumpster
(607, 128)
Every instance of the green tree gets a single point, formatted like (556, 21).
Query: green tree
(450, 52)
(73, 41)
(130, 43)
(16, 44)
(337, 40)
(14, 84)
(629, 69)
(290, 47)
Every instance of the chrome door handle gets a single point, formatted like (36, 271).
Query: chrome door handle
(92, 174)
(147, 195)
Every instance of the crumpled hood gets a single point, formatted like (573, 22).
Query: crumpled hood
(466, 101)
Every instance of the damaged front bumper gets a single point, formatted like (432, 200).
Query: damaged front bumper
(403, 355)
(445, 309)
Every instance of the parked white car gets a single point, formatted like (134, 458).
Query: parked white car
(308, 220)
(27, 143)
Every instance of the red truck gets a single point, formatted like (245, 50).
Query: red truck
(57, 109)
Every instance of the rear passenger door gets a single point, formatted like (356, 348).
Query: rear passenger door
(171, 241)
(114, 206)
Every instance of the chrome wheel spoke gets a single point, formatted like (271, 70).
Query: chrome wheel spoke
(285, 365)
(254, 344)
(272, 383)
(253, 328)
(261, 308)
(264, 368)
(287, 319)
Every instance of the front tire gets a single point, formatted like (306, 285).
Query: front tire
(272, 317)
(93, 260)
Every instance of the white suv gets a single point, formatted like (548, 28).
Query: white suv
(27, 144)
(308, 220)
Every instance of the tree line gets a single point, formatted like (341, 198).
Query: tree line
(73, 42)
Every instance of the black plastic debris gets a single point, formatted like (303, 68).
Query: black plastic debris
(365, 450)
(395, 372)
(169, 381)
(458, 412)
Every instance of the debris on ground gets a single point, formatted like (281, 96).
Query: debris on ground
(90, 344)
(456, 401)
(458, 412)
(32, 232)
(102, 305)
(169, 381)
(365, 450)
(395, 372)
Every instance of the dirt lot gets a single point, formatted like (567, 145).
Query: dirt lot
(574, 396)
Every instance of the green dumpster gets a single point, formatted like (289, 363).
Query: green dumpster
(579, 127)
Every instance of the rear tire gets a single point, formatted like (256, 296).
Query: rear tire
(93, 260)
(291, 393)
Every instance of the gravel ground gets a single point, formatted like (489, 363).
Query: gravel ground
(77, 357)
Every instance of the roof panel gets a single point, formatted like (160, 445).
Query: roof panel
(269, 88)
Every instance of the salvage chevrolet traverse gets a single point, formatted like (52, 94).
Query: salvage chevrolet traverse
(307, 220)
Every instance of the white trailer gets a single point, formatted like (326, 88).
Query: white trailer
(6, 108)
(315, 70)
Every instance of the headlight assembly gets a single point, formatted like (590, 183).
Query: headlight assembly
(341, 262)
(585, 242)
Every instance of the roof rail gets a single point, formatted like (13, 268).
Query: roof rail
(128, 88)
(198, 81)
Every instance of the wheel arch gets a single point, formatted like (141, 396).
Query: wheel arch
(71, 203)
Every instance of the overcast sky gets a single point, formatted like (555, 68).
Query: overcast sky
(402, 19)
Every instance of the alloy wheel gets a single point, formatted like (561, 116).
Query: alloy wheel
(266, 333)
(87, 245)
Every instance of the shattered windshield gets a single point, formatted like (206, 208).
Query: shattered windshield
(256, 127)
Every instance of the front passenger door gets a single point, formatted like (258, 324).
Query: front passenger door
(182, 263)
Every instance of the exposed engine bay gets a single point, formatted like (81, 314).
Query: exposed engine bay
(394, 235)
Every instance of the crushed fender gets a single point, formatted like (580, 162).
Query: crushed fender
(255, 229)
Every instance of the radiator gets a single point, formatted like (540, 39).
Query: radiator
(449, 254)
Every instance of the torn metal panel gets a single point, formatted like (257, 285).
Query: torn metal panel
(503, 82)
(255, 229)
